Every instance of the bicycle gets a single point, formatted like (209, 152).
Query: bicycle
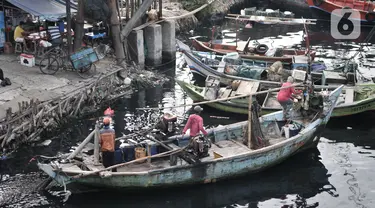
(56, 58)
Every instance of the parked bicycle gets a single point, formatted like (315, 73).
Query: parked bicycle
(56, 58)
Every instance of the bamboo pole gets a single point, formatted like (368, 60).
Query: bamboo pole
(224, 99)
(96, 145)
(130, 162)
(80, 147)
(249, 130)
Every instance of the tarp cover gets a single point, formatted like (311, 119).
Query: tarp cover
(44, 9)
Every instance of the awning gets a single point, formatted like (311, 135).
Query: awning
(44, 9)
(73, 3)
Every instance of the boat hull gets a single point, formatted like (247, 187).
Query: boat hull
(231, 107)
(225, 49)
(325, 9)
(214, 169)
(199, 68)
(209, 171)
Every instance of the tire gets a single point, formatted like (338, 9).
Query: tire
(318, 2)
(49, 65)
(261, 49)
(87, 72)
(370, 16)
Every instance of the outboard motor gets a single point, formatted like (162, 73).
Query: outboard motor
(167, 123)
(316, 102)
(201, 145)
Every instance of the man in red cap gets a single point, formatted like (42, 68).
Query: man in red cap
(195, 124)
(107, 144)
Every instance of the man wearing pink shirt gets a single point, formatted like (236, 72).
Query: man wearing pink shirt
(195, 123)
(285, 97)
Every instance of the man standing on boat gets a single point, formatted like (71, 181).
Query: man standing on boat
(286, 97)
(195, 124)
(107, 144)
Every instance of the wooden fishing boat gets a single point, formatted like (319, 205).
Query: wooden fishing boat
(197, 67)
(365, 8)
(285, 55)
(228, 156)
(353, 99)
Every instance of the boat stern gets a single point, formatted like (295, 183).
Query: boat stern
(49, 170)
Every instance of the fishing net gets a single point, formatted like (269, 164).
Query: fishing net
(251, 72)
(257, 137)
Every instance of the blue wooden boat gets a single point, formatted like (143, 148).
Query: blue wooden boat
(228, 156)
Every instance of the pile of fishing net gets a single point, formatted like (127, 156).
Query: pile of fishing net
(257, 137)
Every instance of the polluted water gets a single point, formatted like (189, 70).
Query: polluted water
(336, 174)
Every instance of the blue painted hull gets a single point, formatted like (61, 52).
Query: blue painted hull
(209, 171)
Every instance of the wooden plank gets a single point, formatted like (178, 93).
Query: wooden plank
(95, 167)
(221, 67)
(173, 146)
(245, 88)
(255, 87)
(70, 167)
(349, 96)
(226, 93)
(274, 20)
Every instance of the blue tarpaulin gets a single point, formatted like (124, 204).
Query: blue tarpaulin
(44, 9)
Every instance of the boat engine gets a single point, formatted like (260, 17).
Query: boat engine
(201, 144)
(167, 123)
(316, 102)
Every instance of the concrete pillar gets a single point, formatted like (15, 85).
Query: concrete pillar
(137, 47)
(153, 38)
(169, 39)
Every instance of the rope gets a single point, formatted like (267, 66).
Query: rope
(223, 99)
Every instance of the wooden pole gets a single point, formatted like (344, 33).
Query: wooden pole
(115, 30)
(132, 4)
(127, 10)
(148, 154)
(96, 145)
(224, 99)
(79, 26)
(249, 130)
(160, 8)
(80, 147)
(69, 27)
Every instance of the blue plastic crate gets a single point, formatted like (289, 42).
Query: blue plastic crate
(83, 58)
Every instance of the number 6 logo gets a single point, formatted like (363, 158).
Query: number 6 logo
(345, 24)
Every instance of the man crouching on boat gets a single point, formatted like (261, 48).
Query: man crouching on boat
(286, 97)
(195, 124)
(107, 144)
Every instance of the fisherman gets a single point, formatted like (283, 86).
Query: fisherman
(107, 144)
(195, 124)
(285, 96)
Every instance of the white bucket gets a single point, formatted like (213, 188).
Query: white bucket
(286, 130)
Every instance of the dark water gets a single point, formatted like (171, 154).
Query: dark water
(339, 173)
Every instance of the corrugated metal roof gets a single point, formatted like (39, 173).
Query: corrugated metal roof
(45, 9)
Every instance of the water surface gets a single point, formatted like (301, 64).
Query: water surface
(339, 173)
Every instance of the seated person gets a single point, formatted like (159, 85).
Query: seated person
(19, 33)
(54, 35)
